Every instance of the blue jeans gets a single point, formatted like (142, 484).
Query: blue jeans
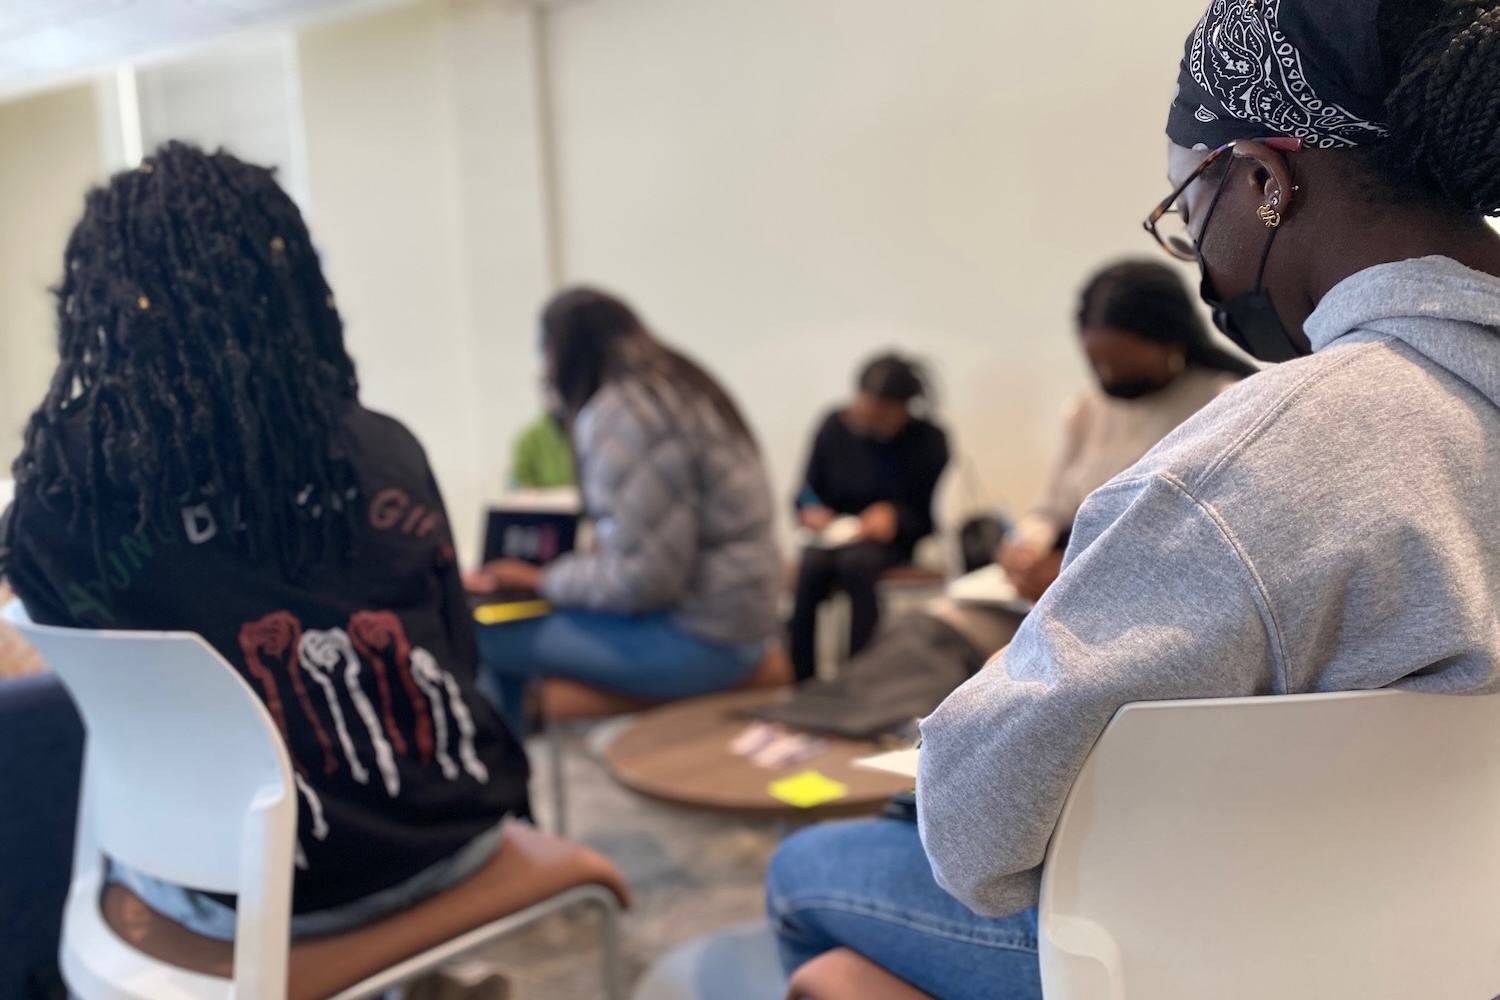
(647, 656)
(867, 886)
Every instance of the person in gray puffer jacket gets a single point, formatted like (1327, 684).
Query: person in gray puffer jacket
(678, 596)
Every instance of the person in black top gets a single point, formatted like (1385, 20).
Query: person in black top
(202, 463)
(877, 462)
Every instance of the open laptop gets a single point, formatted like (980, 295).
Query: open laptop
(534, 526)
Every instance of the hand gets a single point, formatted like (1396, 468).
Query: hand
(880, 523)
(1015, 559)
(1032, 582)
(17, 658)
(815, 518)
(503, 574)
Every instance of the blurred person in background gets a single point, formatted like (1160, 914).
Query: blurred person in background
(678, 595)
(879, 460)
(542, 457)
(1154, 364)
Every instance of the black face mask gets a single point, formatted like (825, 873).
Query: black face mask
(1250, 320)
(1133, 389)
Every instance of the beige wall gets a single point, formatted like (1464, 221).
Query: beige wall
(49, 156)
(426, 203)
(784, 186)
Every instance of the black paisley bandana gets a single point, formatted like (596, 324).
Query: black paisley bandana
(1305, 69)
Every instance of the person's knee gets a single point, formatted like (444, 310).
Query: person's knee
(789, 865)
(793, 880)
(809, 862)
(861, 564)
(816, 563)
(797, 877)
(798, 860)
(817, 873)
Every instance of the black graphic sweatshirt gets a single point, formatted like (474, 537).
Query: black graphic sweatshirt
(367, 667)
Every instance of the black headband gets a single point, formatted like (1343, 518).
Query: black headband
(1305, 69)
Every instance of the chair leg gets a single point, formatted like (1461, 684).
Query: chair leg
(559, 788)
(832, 647)
(609, 938)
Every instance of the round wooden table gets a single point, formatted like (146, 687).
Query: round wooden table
(680, 753)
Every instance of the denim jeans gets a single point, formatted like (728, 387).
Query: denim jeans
(867, 886)
(647, 656)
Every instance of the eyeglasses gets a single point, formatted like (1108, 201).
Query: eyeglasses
(1168, 224)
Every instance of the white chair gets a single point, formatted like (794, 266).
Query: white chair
(1316, 847)
(186, 779)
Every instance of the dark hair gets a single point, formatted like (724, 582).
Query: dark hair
(594, 338)
(201, 361)
(1149, 298)
(895, 378)
(1442, 60)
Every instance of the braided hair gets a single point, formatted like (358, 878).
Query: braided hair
(201, 362)
(1442, 60)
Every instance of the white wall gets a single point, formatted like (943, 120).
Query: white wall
(49, 156)
(784, 186)
(424, 175)
(241, 95)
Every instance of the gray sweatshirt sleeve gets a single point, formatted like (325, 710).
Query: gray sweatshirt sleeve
(638, 485)
(1154, 603)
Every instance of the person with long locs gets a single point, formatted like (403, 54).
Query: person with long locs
(202, 463)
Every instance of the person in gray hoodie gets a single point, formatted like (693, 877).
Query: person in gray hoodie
(1326, 525)
(678, 595)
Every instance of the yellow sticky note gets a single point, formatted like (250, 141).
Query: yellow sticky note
(511, 611)
(808, 789)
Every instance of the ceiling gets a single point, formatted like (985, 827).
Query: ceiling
(48, 42)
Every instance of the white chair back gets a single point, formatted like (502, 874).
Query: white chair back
(1337, 847)
(185, 778)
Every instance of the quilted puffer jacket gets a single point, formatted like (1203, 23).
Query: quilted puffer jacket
(682, 513)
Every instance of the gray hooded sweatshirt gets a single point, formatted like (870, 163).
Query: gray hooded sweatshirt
(1327, 525)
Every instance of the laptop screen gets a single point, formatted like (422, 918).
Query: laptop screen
(534, 526)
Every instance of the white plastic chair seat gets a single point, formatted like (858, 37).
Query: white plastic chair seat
(1312, 847)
